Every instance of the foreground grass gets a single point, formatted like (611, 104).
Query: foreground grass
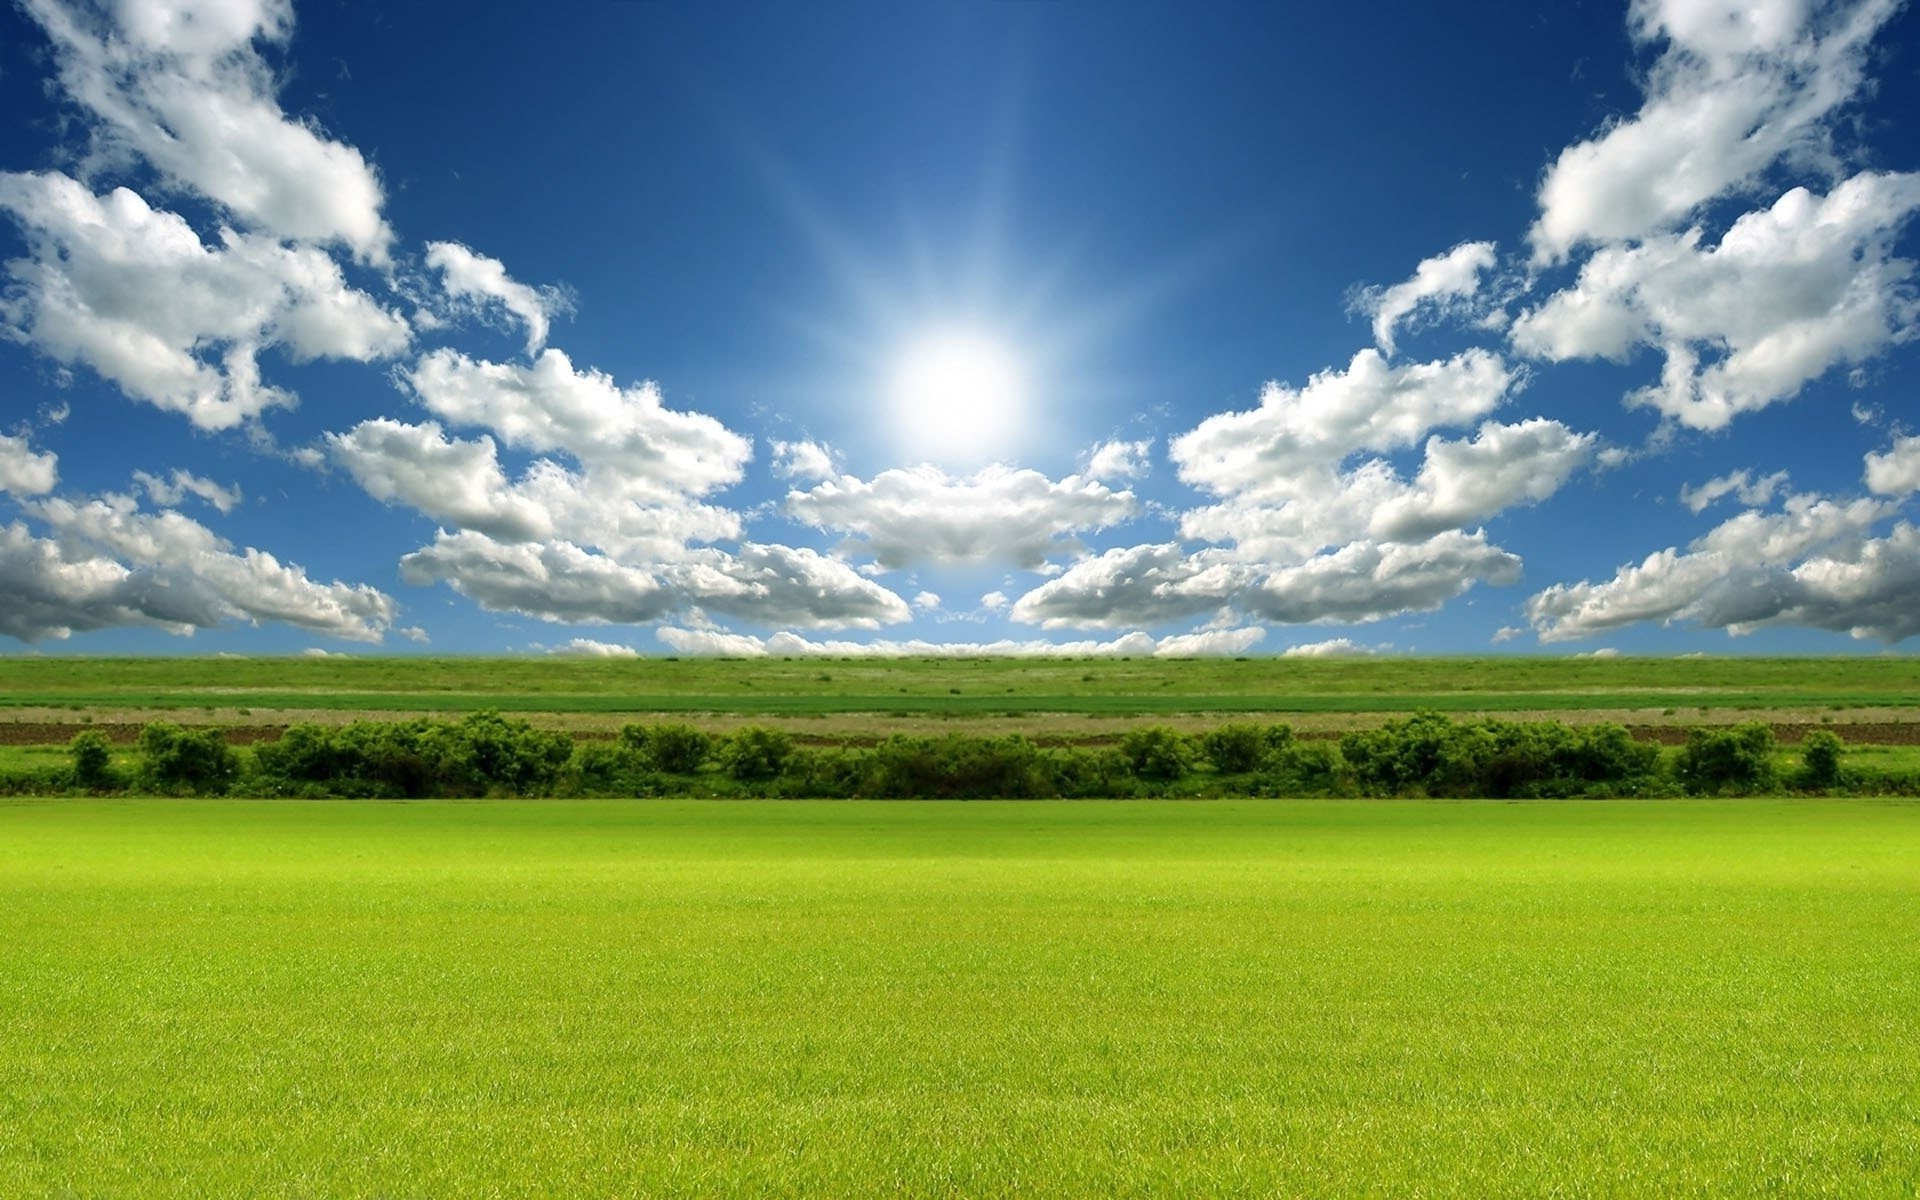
(958, 687)
(1673, 998)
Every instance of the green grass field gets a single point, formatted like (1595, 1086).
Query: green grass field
(1671, 998)
(959, 687)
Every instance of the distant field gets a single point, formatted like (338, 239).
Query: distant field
(1674, 998)
(970, 688)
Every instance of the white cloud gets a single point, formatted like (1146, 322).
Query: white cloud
(1601, 652)
(1130, 645)
(926, 601)
(1134, 585)
(181, 86)
(109, 564)
(460, 482)
(560, 581)
(555, 581)
(994, 601)
(1369, 406)
(1442, 283)
(1739, 484)
(477, 279)
(1813, 563)
(1737, 87)
(1367, 581)
(1897, 471)
(180, 484)
(1463, 482)
(548, 407)
(1789, 293)
(1120, 460)
(25, 471)
(1208, 643)
(807, 460)
(920, 515)
(1331, 648)
(131, 292)
(588, 648)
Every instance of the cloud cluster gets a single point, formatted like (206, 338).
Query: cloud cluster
(1303, 533)
(476, 280)
(1441, 284)
(1788, 293)
(916, 516)
(1133, 645)
(1738, 87)
(131, 292)
(110, 564)
(1814, 562)
(184, 88)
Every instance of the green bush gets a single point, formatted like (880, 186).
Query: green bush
(1157, 752)
(182, 760)
(1820, 759)
(92, 761)
(613, 768)
(754, 752)
(675, 749)
(1723, 761)
(1238, 749)
(1429, 754)
(958, 767)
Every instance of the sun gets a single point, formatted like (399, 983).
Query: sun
(958, 397)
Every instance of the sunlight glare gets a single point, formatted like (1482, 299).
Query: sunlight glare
(958, 397)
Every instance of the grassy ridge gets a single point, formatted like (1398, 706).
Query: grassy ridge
(1681, 998)
(959, 687)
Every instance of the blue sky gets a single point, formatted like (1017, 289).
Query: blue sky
(1032, 327)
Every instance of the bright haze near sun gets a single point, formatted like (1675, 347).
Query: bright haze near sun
(958, 397)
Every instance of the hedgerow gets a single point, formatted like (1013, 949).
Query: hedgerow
(487, 754)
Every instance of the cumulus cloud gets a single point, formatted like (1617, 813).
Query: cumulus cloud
(1789, 293)
(1302, 534)
(1812, 563)
(25, 471)
(1737, 87)
(183, 87)
(1331, 648)
(1442, 283)
(132, 293)
(922, 515)
(1369, 406)
(1896, 472)
(588, 648)
(560, 581)
(805, 459)
(1135, 585)
(110, 564)
(1463, 482)
(926, 601)
(1742, 485)
(179, 484)
(1367, 581)
(1131, 645)
(1120, 460)
(480, 281)
(548, 406)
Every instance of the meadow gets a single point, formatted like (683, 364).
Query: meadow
(967, 688)
(503, 998)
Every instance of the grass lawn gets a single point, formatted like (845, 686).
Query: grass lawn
(233, 998)
(956, 687)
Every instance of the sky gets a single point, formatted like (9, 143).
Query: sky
(612, 327)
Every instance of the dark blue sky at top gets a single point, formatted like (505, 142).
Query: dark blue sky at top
(1163, 206)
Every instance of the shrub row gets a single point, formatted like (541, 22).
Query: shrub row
(486, 754)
